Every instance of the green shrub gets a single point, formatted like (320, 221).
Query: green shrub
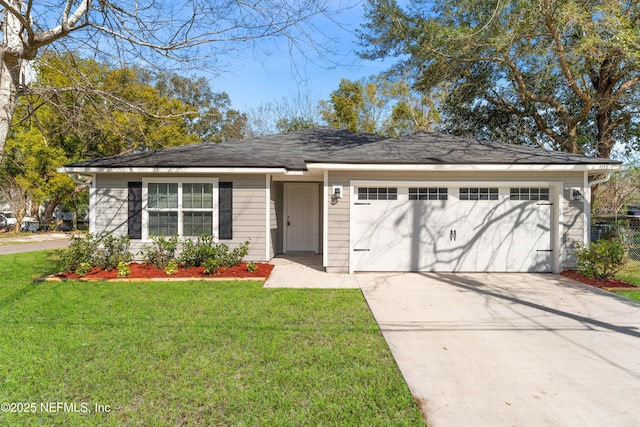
(82, 250)
(602, 259)
(236, 256)
(123, 269)
(223, 257)
(196, 253)
(160, 251)
(251, 267)
(212, 265)
(172, 267)
(105, 251)
(83, 268)
(113, 251)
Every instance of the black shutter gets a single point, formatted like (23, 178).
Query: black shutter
(135, 210)
(225, 210)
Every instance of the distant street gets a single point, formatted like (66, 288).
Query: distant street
(24, 242)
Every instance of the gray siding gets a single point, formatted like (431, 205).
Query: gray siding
(338, 225)
(249, 214)
(249, 210)
(573, 224)
(111, 204)
(274, 218)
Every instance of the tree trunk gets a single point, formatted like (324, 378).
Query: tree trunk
(50, 209)
(9, 83)
(11, 57)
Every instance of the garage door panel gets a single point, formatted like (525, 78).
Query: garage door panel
(399, 235)
(508, 237)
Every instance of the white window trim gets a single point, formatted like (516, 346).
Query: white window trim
(179, 181)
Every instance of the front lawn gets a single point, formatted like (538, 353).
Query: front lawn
(190, 353)
(630, 273)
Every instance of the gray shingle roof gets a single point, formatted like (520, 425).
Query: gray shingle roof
(287, 150)
(438, 148)
(294, 150)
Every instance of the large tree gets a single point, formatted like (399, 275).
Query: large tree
(383, 104)
(79, 108)
(287, 114)
(146, 31)
(563, 74)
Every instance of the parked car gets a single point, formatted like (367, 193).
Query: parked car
(11, 219)
(3, 223)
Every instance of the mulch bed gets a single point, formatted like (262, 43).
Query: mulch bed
(149, 271)
(611, 284)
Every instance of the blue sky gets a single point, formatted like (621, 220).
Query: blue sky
(257, 78)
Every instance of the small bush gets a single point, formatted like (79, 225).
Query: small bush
(223, 257)
(236, 256)
(83, 268)
(105, 251)
(160, 251)
(602, 259)
(196, 253)
(212, 265)
(123, 269)
(172, 267)
(81, 250)
(251, 267)
(113, 251)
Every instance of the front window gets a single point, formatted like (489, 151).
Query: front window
(163, 209)
(197, 203)
(186, 208)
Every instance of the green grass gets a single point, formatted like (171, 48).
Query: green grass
(192, 353)
(634, 295)
(630, 273)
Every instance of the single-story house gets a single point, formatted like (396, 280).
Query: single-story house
(423, 202)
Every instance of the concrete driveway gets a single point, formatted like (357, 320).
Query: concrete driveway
(511, 349)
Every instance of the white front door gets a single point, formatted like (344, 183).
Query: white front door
(301, 217)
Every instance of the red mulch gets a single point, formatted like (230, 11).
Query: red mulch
(146, 271)
(602, 284)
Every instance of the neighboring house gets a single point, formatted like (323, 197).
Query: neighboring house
(425, 202)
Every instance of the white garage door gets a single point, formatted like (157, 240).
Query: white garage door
(451, 229)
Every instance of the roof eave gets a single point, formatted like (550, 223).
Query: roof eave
(480, 167)
(90, 170)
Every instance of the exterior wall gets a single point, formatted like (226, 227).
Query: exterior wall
(249, 214)
(573, 223)
(249, 210)
(279, 201)
(111, 204)
(274, 217)
(339, 222)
